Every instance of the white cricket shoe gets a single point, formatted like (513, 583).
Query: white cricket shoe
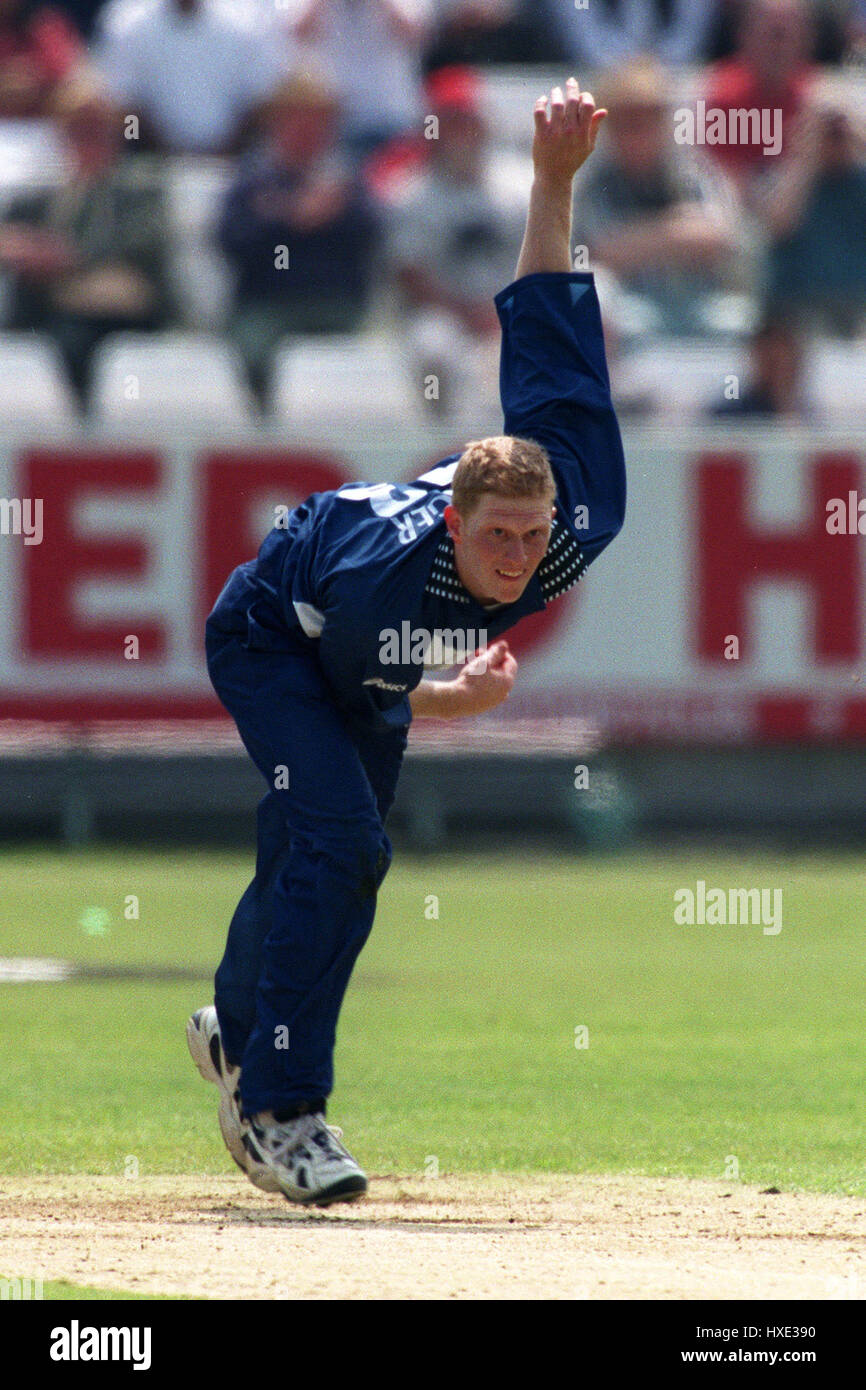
(206, 1049)
(306, 1157)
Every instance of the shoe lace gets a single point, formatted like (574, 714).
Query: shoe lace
(305, 1130)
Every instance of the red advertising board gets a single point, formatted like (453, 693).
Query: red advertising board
(729, 609)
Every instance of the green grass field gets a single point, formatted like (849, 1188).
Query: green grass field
(712, 1050)
(59, 1291)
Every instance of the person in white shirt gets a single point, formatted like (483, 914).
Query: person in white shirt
(604, 33)
(195, 71)
(373, 48)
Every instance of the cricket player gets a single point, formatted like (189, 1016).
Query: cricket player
(301, 651)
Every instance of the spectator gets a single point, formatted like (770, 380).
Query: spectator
(489, 31)
(771, 71)
(775, 390)
(298, 229)
(816, 217)
(454, 240)
(855, 32)
(38, 47)
(88, 258)
(195, 71)
(606, 33)
(374, 49)
(655, 214)
(831, 22)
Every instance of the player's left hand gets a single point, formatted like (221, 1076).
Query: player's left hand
(566, 137)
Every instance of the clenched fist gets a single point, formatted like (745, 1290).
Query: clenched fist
(485, 681)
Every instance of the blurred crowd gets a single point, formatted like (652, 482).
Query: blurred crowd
(371, 186)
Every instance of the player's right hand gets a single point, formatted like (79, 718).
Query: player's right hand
(566, 137)
(486, 680)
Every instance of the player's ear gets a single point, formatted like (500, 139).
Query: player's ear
(453, 521)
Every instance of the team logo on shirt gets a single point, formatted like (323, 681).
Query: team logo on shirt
(385, 685)
(411, 509)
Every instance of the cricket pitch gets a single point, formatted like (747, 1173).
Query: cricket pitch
(455, 1237)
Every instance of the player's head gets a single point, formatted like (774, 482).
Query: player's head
(91, 125)
(301, 117)
(637, 94)
(500, 515)
(775, 37)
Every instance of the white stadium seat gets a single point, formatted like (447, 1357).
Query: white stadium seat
(357, 382)
(170, 377)
(837, 378)
(33, 384)
(31, 157)
(681, 377)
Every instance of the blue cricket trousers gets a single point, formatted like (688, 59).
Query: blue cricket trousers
(322, 855)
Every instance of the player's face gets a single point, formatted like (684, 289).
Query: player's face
(639, 135)
(300, 133)
(499, 545)
(94, 139)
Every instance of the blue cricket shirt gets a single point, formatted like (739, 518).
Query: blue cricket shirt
(367, 559)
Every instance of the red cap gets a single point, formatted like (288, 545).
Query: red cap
(455, 88)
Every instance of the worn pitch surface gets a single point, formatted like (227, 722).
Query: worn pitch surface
(447, 1237)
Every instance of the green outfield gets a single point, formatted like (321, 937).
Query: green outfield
(552, 1017)
(59, 1291)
